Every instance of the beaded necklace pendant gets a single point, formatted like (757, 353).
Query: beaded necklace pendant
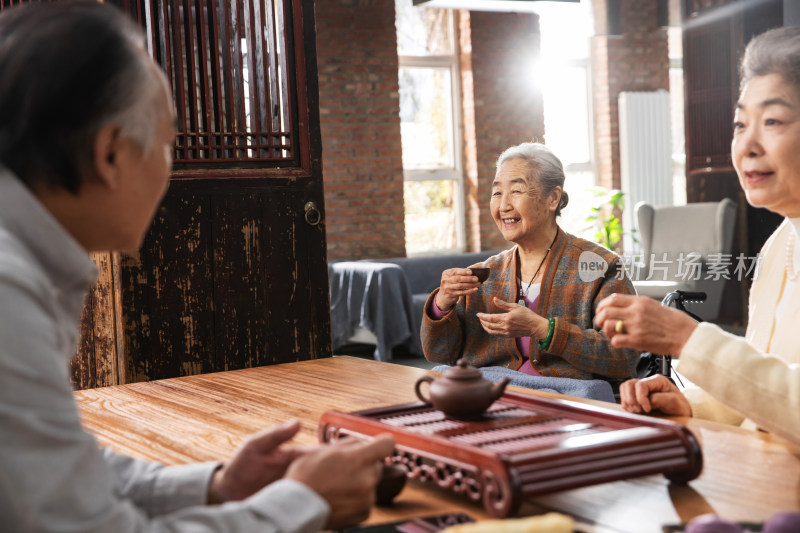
(522, 294)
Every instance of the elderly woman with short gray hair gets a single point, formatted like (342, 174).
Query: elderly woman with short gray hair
(534, 312)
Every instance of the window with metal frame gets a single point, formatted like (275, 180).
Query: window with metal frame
(564, 76)
(429, 118)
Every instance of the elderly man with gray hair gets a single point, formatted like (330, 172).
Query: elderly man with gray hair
(86, 136)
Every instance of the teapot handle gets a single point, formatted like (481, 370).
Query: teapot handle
(427, 378)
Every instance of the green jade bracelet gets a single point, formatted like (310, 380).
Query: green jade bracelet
(546, 342)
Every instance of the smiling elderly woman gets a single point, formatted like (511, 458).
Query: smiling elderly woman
(535, 311)
(753, 380)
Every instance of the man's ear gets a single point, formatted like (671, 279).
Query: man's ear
(106, 154)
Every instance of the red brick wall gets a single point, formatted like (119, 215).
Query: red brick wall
(636, 60)
(359, 113)
(507, 108)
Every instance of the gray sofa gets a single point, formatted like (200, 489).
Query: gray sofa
(376, 302)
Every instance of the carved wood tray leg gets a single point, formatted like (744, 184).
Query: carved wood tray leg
(499, 491)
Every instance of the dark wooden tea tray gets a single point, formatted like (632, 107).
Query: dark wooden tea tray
(523, 446)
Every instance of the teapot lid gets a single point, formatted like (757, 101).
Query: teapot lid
(463, 371)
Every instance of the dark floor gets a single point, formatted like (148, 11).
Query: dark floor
(400, 355)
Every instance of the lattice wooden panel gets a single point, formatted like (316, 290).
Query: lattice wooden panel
(228, 62)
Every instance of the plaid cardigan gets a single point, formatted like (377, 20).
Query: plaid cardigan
(577, 349)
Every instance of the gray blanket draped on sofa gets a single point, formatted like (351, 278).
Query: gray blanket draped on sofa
(374, 296)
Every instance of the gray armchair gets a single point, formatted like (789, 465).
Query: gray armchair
(686, 247)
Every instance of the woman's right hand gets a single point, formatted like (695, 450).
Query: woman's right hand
(456, 282)
(641, 323)
(655, 393)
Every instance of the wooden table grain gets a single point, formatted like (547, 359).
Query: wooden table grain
(747, 476)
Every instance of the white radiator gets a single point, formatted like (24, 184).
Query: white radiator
(645, 153)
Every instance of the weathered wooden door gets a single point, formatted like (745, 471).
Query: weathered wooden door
(233, 271)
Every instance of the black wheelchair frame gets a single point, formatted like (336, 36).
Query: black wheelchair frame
(651, 364)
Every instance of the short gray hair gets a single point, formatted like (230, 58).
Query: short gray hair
(775, 51)
(545, 168)
(97, 73)
(137, 90)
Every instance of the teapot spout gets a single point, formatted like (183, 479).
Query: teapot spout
(499, 387)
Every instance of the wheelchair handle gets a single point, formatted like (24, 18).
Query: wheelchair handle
(679, 297)
(662, 364)
(665, 366)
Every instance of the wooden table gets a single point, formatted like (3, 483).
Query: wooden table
(747, 476)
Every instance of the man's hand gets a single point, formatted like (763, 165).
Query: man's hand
(257, 462)
(518, 321)
(655, 393)
(345, 475)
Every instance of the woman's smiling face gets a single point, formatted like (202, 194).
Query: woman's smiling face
(516, 204)
(766, 144)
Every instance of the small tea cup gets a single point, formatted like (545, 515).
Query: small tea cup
(393, 479)
(482, 273)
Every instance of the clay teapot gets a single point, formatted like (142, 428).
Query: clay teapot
(462, 392)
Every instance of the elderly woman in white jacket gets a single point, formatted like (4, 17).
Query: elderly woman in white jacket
(755, 380)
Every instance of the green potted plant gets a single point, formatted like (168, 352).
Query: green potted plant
(606, 213)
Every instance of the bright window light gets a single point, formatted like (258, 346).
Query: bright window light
(562, 74)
